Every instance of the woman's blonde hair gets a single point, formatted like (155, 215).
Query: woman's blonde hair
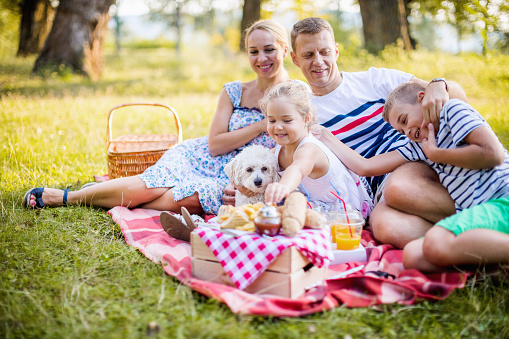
(271, 26)
(295, 92)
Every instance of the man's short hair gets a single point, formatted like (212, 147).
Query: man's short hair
(310, 25)
(405, 93)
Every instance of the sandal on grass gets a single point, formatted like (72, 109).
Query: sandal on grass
(33, 198)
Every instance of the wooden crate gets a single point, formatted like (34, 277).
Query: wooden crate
(287, 276)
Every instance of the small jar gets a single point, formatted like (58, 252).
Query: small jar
(268, 221)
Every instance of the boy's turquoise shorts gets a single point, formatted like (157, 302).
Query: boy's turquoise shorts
(492, 215)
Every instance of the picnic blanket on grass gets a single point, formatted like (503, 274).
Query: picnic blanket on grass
(382, 280)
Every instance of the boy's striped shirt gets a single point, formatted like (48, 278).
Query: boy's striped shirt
(467, 187)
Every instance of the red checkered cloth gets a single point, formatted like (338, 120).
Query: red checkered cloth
(366, 287)
(245, 257)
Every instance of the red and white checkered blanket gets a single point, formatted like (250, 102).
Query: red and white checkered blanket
(371, 285)
(245, 257)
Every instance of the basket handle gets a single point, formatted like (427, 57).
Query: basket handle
(169, 108)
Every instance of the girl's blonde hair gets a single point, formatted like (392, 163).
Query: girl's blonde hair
(295, 92)
(271, 26)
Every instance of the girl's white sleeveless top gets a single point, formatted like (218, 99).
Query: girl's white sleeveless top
(353, 189)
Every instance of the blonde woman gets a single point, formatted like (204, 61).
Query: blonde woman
(191, 175)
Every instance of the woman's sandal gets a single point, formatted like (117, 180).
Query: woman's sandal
(176, 228)
(37, 202)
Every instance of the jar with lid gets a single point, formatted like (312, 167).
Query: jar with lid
(268, 221)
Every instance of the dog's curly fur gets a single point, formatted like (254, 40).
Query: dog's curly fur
(254, 168)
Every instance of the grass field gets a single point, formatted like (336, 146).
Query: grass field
(67, 272)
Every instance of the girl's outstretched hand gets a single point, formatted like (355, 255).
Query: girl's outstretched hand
(317, 130)
(275, 192)
(429, 144)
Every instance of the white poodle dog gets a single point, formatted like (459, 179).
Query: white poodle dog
(253, 168)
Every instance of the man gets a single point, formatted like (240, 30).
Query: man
(349, 106)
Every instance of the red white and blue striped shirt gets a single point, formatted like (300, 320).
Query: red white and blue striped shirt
(353, 112)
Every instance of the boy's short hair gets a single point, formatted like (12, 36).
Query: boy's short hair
(405, 93)
(312, 25)
(295, 92)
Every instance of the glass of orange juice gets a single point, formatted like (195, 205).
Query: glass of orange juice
(347, 231)
(330, 221)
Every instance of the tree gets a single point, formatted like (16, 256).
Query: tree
(250, 14)
(384, 22)
(484, 14)
(36, 20)
(77, 37)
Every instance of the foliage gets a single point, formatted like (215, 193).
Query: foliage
(68, 273)
(483, 16)
(303, 8)
(174, 13)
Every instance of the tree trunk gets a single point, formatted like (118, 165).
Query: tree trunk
(77, 37)
(36, 19)
(250, 14)
(383, 22)
(405, 27)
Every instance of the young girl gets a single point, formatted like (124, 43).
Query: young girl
(303, 159)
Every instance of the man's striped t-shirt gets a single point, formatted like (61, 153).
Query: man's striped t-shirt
(353, 112)
(467, 187)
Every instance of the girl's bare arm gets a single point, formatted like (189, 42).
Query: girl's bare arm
(377, 165)
(304, 161)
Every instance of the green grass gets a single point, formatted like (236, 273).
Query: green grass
(67, 272)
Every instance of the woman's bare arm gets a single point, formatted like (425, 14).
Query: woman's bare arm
(221, 140)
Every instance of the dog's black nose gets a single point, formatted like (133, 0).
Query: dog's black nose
(258, 182)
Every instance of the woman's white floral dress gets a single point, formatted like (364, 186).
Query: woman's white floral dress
(189, 167)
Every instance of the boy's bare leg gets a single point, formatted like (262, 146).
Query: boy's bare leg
(478, 246)
(414, 200)
(128, 192)
(413, 257)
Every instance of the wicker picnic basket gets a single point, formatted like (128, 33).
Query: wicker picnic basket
(132, 154)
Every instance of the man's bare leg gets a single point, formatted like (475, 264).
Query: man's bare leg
(396, 228)
(414, 200)
(415, 188)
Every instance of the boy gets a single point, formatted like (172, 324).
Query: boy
(470, 162)
(472, 165)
